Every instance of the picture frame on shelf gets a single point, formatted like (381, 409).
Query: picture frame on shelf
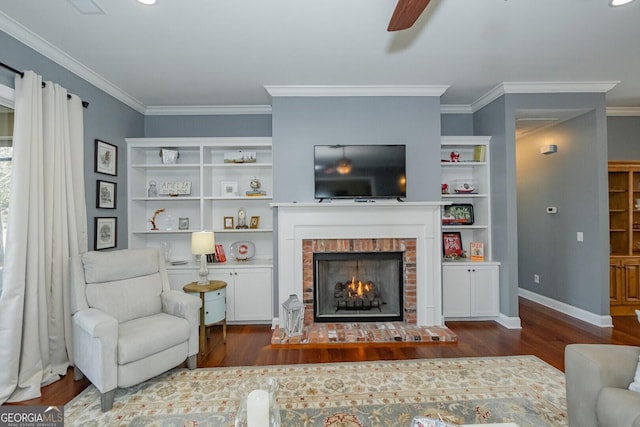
(106, 158)
(228, 223)
(476, 251)
(457, 214)
(183, 223)
(105, 194)
(254, 222)
(451, 244)
(105, 233)
(229, 188)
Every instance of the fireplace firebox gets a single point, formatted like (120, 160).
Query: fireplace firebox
(358, 286)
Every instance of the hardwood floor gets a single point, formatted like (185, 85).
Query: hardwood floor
(544, 333)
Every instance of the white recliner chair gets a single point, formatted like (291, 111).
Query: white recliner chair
(128, 325)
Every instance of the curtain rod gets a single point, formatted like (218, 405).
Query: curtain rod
(85, 104)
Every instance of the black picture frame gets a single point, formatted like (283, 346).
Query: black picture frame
(457, 214)
(106, 194)
(105, 235)
(451, 244)
(105, 158)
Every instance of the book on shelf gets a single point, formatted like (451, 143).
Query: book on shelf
(476, 251)
(479, 152)
(220, 255)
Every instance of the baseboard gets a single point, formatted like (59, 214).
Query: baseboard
(509, 322)
(578, 313)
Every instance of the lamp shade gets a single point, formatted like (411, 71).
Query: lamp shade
(203, 242)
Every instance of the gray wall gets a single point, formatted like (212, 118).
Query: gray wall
(301, 123)
(457, 124)
(556, 180)
(202, 126)
(623, 136)
(106, 118)
(587, 271)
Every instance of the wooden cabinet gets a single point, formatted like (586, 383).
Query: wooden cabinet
(624, 285)
(249, 293)
(624, 237)
(470, 290)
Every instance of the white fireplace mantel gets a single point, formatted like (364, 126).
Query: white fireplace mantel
(340, 220)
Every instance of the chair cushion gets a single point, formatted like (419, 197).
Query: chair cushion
(142, 337)
(118, 265)
(142, 297)
(618, 407)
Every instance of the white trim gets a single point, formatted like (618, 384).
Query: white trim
(604, 321)
(7, 96)
(542, 87)
(358, 90)
(207, 110)
(623, 111)
(509, 322)
(456, 109)
(40, 45)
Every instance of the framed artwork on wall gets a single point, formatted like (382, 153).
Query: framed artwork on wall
(106, 158)
(105, 233)
(105, 194)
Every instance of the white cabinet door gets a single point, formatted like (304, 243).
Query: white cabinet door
(179, 278)
(456, 291)
(253, 294)
(249, 293)
(484, 291)
(470, 290)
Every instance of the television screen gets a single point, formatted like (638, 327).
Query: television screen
(359, 171)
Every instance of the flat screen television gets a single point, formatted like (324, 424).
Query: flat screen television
(360, 171)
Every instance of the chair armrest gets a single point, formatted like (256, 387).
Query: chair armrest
(183, 305)
(589, 368)
(186, 306)
(95, 342)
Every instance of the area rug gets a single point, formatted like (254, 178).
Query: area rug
(520, 389)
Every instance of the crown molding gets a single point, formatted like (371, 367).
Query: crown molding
(456, 109)
(355, 90)
(623, 111)
(542, 87)
(207, 110)
(37, 43)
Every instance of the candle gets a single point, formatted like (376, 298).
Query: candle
(258, 409)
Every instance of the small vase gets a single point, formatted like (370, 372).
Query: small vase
(258, 403)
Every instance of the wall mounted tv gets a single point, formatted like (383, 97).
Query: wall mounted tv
(360, 171)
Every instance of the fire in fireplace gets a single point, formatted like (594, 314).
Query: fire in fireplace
(355, 295)
(357, 286)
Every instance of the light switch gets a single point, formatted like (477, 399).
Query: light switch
(580, 236)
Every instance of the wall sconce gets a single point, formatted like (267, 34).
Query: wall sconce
(549, 149)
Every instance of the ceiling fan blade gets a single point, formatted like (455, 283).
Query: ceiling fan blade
(406, 14)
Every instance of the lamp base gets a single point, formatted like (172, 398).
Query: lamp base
(203, 278)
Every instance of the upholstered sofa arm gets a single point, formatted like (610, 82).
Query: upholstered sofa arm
(589, 368)
(187, 306)
(95, 342)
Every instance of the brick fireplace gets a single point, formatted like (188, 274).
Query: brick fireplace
(410, 227)
(407, 247)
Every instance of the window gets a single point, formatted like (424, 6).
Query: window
(6, 154)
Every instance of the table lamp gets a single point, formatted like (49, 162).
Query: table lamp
(203, 243)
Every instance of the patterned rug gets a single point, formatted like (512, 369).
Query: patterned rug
(519, 389)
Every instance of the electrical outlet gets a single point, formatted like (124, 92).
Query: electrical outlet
(536, 278)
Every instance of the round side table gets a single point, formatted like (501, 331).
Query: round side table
(214, 307)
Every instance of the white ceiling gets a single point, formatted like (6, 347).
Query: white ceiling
(194, 53)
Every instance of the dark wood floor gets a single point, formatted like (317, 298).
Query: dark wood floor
(544, 333)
